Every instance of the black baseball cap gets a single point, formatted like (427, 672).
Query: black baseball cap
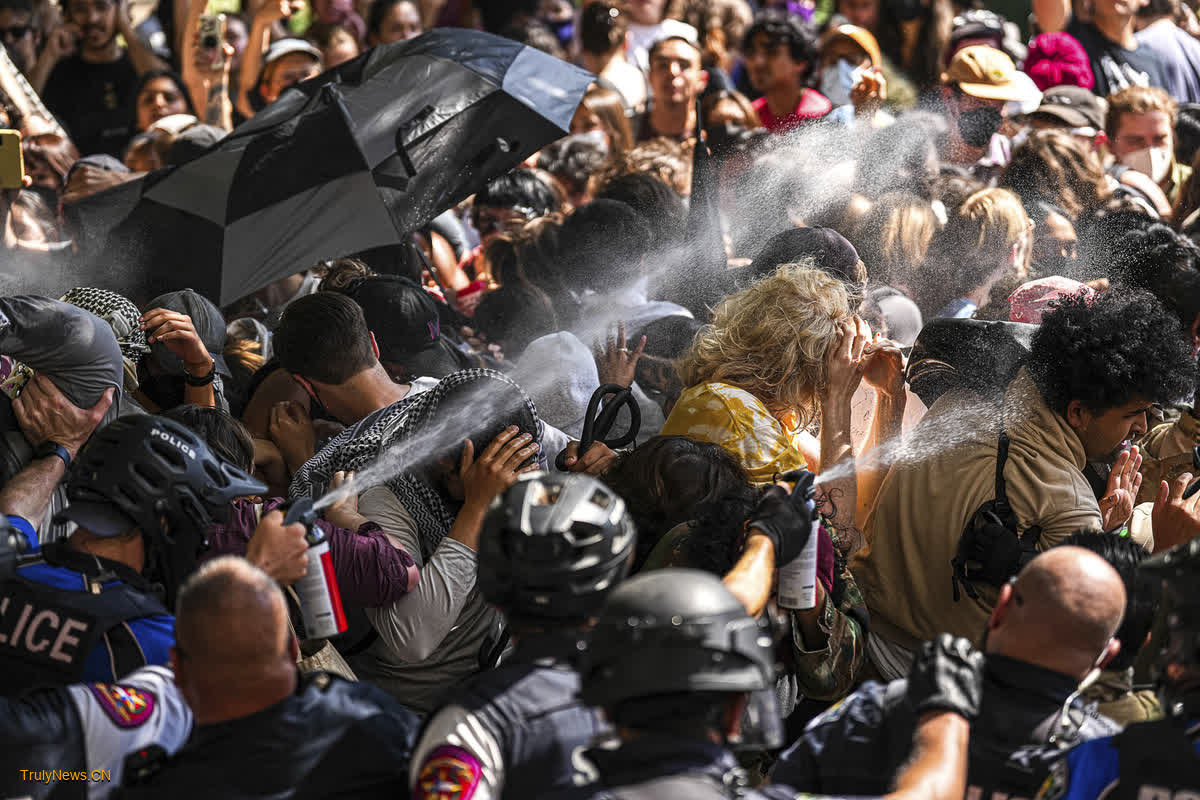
(208, 322)
(404, 318)
(1074, 106)
(831, 252)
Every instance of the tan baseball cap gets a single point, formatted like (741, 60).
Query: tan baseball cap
(985, 72)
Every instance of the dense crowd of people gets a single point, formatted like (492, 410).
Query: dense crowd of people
(816, 416)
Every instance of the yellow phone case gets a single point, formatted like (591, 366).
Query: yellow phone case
(12, 163)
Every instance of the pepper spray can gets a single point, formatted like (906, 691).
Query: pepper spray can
(320, 600)
(798, 578)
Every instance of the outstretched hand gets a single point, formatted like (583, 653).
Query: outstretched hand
(1175, 520)
(1124, 482)
(616, 363)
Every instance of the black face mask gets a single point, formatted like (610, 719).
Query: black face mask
(978, 125)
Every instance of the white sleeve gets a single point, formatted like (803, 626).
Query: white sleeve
(457, 758)
(416, 624)
(145, 708)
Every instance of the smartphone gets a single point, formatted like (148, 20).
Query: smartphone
(12, 162)
(212, 38)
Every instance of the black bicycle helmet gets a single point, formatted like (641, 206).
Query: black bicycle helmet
(153, 474)
(554, 545)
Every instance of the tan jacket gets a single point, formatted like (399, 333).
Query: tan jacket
(925, 501)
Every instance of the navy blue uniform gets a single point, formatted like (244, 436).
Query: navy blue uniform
(658, 767)
(1149, 760)
(859, 745)
(510, 732)
(332, 738)
(68, 616)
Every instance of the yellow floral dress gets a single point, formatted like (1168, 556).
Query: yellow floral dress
(741, 424)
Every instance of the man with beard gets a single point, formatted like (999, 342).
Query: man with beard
(91, 86)
(1007, 481)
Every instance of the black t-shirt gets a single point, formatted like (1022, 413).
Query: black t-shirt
(94, 102)
(1114, 67)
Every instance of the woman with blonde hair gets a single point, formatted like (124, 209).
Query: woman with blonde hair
(894, 237)
(779, 355)
(990, 237)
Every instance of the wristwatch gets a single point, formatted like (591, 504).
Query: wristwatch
(48, 448)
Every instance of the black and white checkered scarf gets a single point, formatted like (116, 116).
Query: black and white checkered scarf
(361, 444)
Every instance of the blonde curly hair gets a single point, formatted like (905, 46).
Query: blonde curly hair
(772, 339)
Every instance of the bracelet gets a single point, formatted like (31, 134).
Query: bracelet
(204, 380)
(48, 449)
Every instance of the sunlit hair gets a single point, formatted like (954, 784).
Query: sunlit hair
(772, 338)
(989, 223)
(1057, 168)
(894, 237)
(1137, 100)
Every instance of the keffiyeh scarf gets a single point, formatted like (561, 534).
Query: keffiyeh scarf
(361, 444)
(123, 317)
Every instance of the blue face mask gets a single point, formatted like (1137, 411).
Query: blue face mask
(837, 80)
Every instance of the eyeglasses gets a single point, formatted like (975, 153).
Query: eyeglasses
(1016, 595)
(15, 33)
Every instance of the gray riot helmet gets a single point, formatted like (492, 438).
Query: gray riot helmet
(675, 632)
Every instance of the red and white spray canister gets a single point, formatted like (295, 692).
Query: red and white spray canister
(320, 600)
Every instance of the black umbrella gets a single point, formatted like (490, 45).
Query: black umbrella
(354, 159)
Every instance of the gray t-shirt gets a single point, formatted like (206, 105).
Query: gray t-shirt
(437, 634)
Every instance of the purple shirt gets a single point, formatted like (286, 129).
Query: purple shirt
(371, 572)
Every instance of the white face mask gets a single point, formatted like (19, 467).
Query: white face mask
(1152, 161)
(837, 80)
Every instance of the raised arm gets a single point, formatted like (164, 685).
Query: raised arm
(143, 57)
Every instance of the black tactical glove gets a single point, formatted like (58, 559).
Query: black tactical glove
(946, 675)
(786, 519)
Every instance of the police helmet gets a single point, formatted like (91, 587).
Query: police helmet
(1179, 569)
(554, 545)
(138, 470)
(675, 630)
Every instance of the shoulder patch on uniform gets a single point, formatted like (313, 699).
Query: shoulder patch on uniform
(1055, 785)
(126, 706)
(449, 773)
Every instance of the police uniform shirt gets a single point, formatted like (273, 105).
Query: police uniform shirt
(38, 633)
(143, 709)
(1096, 769)
(860, 744)
(331, 738)
(514, 731)
(72, 741)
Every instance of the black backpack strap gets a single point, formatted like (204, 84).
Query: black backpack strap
(990, 549)
(1001, 484)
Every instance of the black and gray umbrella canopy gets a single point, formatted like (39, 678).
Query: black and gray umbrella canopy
(356, 158)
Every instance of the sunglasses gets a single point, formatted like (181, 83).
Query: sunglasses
(15, 33)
